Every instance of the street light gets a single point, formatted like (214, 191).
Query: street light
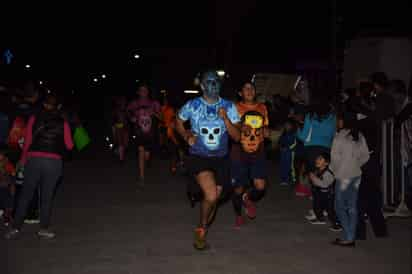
(27, 66)
(95, 80)
(220, 73)
(136, 56)
(104, 76)
(191, 91)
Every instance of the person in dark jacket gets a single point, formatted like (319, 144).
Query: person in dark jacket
(47, 136)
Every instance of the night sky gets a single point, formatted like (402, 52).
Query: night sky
(70, 42)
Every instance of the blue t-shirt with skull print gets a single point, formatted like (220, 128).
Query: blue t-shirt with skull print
(212, 136)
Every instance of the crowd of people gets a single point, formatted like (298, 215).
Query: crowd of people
(329, 152)
(37, 132)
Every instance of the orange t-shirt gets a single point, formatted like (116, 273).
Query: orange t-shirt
(242, 108)
(168, 119)
(168, 114)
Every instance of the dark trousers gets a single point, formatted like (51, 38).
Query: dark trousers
(6, 198)
(323, 200)
(43, 172)
(370, 200)
(33, 210)
(285, 165)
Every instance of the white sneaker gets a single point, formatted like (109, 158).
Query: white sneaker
(46, 234)
(32, 221)
(311, 215)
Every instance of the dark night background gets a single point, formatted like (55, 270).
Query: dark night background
(69, 44)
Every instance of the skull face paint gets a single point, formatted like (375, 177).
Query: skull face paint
(210, 135)
(211, 85)
(251, 135)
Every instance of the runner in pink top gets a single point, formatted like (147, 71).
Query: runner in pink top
(144, 114)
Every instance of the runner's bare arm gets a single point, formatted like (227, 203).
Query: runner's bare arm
(186, 134)
(232, 129)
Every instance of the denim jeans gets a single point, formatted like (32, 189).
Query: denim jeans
(346, 199)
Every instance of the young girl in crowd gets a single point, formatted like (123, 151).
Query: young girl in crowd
(142, 113)
(349, 153)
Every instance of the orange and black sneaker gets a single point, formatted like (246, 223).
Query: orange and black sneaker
(200, 239)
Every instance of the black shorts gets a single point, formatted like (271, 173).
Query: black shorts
(243, 172)
(218, 165)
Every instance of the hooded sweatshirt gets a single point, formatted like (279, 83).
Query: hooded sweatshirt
(316, 132)
(348, 156)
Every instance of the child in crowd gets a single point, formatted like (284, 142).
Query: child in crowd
(248, 159)
(7, 187)
(287, 143)
(323, 181)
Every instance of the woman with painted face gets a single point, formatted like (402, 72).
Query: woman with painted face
(212, 121)
(47, 137)
(143, 113)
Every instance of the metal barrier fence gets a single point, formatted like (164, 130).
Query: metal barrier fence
(394, 168)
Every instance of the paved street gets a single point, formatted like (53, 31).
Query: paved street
(105, 225)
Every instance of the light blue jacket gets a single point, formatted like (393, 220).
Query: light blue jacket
(318, 133)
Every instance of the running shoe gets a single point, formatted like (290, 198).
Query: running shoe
(335, 228)
(12, 234)
(46, 234)
(311, 216)
(239, 222)
(250, 207)
(200, 239)
(317, 222)
(31, 221)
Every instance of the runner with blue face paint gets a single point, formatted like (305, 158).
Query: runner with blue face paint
(213, 120)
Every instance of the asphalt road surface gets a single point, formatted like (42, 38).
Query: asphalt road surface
(104, 224)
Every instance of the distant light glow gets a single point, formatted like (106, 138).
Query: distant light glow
(111, 145)
(191, 91)
(41, 82)
(104, 76)
(107, 139)
(95, 80)
(134, 137)
(136, 56)
(27, 66)
(49, 91)
(220, 73)
(163, 91)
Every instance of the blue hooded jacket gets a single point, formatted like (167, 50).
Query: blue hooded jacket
(318, 133)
